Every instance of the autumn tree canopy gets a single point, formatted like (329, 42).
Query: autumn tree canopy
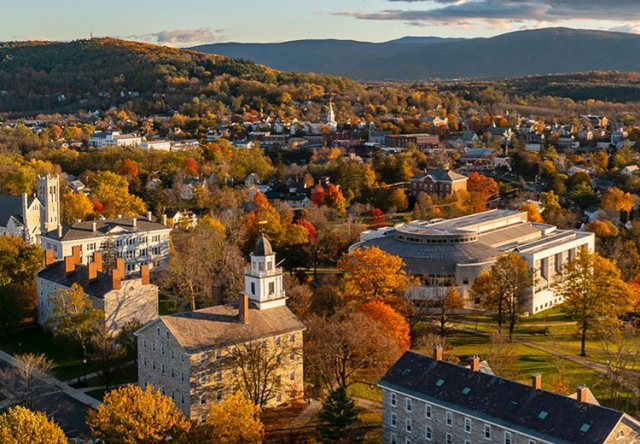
(235, 421)
(372, 274)
(20, 425)
(130, 415)
(390, 322)
(593, 291)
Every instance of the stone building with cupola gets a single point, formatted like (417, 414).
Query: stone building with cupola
(195, 357)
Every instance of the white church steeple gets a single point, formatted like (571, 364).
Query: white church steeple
(263, 280)
(331, 119)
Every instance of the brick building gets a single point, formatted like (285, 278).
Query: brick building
(438, 182)
(120, 299)
(428, 400)
(202, 357)
(423, 142)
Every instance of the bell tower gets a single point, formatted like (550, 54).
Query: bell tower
(263, 279)
(49, 197)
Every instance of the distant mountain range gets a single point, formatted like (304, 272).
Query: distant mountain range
(521, 53)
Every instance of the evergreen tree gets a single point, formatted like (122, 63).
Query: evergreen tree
(339, 413)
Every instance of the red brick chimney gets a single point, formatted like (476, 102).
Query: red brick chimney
(69, 264)
(437, 352)
(97, 258)
(115, 280)
(581, 392)
(49, 257)
(76, 253)
(475, 364)
(536, 381)
(243, 308)
(92, 269)
(120, 267)
(144, 274)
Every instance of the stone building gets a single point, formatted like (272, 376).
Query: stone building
(202, 357)
(443, 253)
(120, 299)
(139, 240)
(428, 400)
(27, 217)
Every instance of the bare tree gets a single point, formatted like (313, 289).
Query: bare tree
(107, 354)
(257, 365)
(25, 380)
(300, 296)
(443, 301)
(502, 356)
(429, 341)
(339, 348)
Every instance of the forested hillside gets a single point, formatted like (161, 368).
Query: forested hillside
(99, 73)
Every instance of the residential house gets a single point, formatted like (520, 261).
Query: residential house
(196, 358)
(428, 400)
(190, 185)
(120, 299)
(630, 171)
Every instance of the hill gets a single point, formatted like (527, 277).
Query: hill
(99, 73)
(521, 53)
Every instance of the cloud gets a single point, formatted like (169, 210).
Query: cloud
(181, 37)
(440, 12)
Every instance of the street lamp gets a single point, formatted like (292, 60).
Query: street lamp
(84, 365)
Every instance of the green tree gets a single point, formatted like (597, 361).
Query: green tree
(593, 292)
(505, 289)
(235, 421)
(73, 317)
(338, 415)
(20, 425)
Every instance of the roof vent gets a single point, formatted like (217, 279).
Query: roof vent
(543, 414)
(440, 382)
(585, 428)
(406, 372)
(466, 391)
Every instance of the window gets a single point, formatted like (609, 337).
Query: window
(292, 375)
(449, 438)
(292, 355)
(487, 431)
(394, 399)
(292, 339)
(202, 358)
(219, 374)
(218, 355)
(203, 376)
(182, 398)
(131, 241)
(466, 441)
(428, 433)
(272, 288)
(407, 441)
(162, 368)
(166, 334)
(253, 288)
(278, 397)
(408, 425)
(449, 418)
(531, 441)
(507, 438)
(219, 395)
(153, 365)
(277, 341)
(182, 358)
(394, 421)
(182, 376)
(162, 350)
(131, 254)
(394, 439)
(144, 360)
(427, 411)
(144, 343)
(171, 353)
(408, 404)
(467, 425)
(153, 346)
(173, 373)
(203, 400)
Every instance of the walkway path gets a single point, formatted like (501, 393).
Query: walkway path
(306, 415)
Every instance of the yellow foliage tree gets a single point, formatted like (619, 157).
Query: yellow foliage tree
(75, 206)
(614, 199)
(235, 421)
(112, 191)
(372, 274)
(603, 228)
(20, 426)
(130, 415)
(532, 210)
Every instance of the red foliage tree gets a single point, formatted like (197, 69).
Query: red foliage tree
(129, 169)
(376, 218)
(310, 228)
(317, 197)
(191, 166)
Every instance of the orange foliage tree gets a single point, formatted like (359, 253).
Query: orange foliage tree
(532, 210)
(390, 322)
(372, 274)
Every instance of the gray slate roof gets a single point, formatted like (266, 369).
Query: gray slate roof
(441, 175)
(502, 401)
(97, 288)
(12, 206)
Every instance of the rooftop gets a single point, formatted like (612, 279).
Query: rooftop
(104, 228)
(538, 413)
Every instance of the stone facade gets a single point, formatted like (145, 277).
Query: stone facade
(426, 400)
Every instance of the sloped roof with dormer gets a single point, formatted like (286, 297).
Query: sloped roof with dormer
(12, 206)
(538, 413)
(104, 228)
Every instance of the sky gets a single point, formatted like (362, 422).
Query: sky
(191, 22)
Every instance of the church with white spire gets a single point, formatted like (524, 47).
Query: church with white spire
(331, 123)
